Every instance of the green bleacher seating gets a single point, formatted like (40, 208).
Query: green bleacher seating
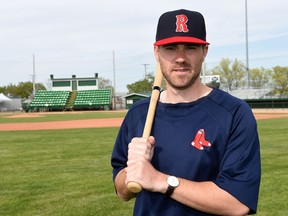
(51, 100)
(90, 99)
(85, 99)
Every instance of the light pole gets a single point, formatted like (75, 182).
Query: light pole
(33, 77)
(114, 82)
(145, 69)
(247, 49)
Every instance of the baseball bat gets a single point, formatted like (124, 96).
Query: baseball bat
(135, 187)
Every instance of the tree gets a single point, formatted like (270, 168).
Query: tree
(104, 83)
(141, 86)
(3, 90)
(280, 77)
(239, 71)
(22, 90)
(259, 77)
(230, 76)
(11, 90)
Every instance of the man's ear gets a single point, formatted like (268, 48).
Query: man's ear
(205, 49)
(156, 54)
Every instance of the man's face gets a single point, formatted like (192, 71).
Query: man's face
(181, 63)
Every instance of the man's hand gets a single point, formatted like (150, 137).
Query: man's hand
(141, 148)
(139, 169)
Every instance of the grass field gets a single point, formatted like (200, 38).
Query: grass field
(68, 172)
(64, 172)
(274, 155)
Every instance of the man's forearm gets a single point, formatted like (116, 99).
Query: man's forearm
(208, 197)
(121, 188)
(204, 196)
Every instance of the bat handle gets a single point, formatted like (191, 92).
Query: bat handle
(134, 187)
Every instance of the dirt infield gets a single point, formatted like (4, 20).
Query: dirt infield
(270, 113)
(97, 123)
(90, 123)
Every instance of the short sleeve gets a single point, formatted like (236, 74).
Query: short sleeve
(119, 154)
(240, 169)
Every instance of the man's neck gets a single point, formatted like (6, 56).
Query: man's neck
(193, 93)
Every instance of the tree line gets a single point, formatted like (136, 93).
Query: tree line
(24, 90)
(233, 75)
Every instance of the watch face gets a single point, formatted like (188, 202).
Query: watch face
(173, 181)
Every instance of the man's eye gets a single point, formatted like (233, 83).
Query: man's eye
(170, 48)
(192, 47)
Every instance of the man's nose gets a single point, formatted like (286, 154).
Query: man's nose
(180, 56)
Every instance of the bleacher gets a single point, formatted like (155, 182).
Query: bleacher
(49, 100)
(250, 93)
(93, 99)
(67, 100)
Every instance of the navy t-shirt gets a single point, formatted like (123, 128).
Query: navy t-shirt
(212, 139)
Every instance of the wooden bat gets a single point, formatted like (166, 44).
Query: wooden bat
(134, 187)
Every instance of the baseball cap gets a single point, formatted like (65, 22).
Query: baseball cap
(181, 26)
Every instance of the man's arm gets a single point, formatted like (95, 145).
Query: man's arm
(121, 187)
(203, 196)
(208, 197)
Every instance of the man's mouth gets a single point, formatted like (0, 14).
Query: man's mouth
(180, 70)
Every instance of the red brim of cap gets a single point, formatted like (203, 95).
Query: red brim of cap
(178, 39)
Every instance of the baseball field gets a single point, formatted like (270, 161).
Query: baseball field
(59, 163)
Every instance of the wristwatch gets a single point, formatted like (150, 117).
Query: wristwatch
(172, 182)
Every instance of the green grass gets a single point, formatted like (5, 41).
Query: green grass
(273, 135)
(64, 172)
(64, 116)
(68, 172)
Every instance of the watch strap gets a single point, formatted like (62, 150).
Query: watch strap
(169, 191)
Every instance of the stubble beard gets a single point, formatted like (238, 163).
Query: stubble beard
(185, 82)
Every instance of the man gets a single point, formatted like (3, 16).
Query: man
(203, 156)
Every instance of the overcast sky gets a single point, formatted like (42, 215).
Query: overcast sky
(79, 37)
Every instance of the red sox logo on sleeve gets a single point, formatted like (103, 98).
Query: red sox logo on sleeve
(200, 141)
(181, 25)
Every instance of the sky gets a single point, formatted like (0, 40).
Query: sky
(80, 37)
